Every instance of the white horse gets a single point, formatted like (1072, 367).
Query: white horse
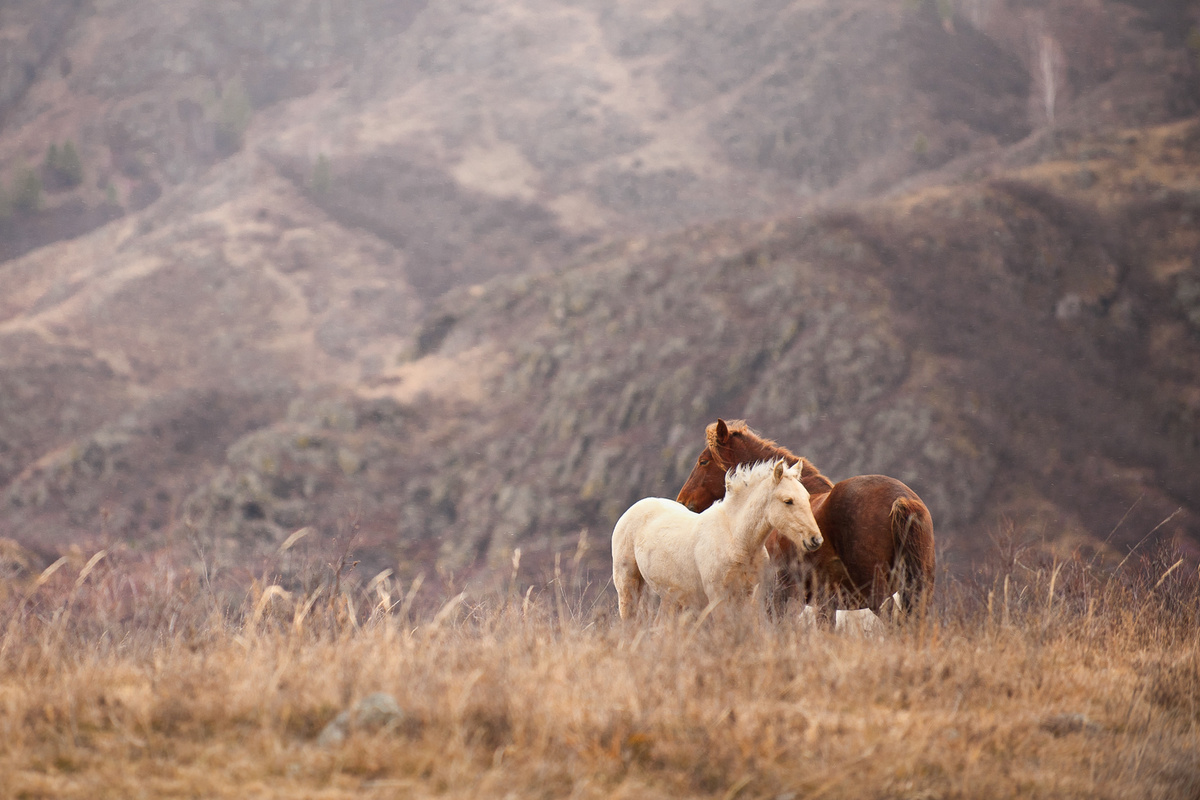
(691, 559)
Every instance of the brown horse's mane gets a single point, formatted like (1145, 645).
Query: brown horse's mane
(738, 427)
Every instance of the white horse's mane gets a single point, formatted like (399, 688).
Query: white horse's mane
(743, 475)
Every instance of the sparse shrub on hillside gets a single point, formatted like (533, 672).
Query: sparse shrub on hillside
(27, 190)
(70, 165)
(63, 167)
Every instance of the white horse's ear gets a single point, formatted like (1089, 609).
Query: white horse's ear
(780, 468)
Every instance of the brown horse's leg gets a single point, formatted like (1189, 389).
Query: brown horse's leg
(822, 596)
(826, 612)
(787, 586)
(880, 600)
(787, 570)
(837, 591)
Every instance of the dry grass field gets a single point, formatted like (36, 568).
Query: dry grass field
(1038, 678)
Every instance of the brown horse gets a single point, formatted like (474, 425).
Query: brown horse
(878, 535)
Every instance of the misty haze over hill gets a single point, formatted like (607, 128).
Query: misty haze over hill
(453, 278)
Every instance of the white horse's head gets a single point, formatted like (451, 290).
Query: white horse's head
(789, 510)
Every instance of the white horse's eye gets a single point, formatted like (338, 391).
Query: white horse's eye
(788, 501)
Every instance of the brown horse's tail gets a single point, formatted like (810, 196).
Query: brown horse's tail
(912, 527)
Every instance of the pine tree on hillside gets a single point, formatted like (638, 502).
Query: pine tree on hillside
(63, 168)
(69, 164)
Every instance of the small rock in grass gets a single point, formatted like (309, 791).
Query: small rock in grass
(1063, 724)
(373, 712)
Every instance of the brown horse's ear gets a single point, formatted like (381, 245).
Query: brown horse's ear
(722, 431)
(780, 468)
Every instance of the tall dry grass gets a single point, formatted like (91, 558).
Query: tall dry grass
(1039, 678)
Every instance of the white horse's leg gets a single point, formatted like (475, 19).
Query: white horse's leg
(627, 578)
(630, 588)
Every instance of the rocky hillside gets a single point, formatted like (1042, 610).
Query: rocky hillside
(444, 280)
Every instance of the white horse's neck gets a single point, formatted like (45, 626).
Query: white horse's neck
(746, 512)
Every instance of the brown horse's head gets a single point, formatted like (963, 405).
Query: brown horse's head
(706, 484)
(732, 443)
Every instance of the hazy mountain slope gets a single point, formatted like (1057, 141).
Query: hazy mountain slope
(239, 307)
(481, 247)
(1016, 351)
(583, 116)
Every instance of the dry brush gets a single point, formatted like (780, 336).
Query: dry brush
(1040, 677)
